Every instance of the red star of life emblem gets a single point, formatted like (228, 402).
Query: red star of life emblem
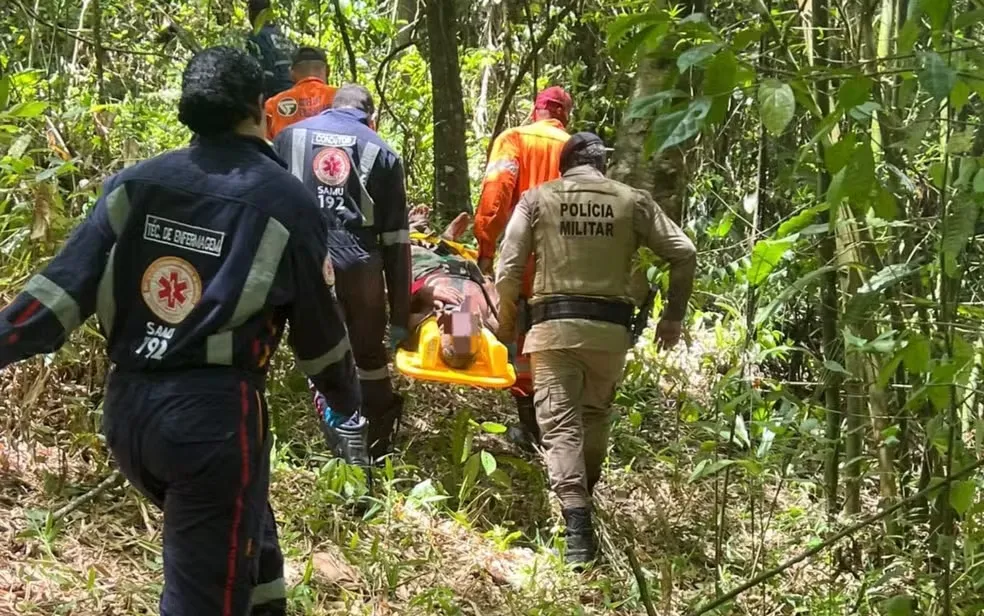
(332, 166)
(172, 290)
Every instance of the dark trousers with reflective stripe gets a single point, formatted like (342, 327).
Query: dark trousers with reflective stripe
(362, 294)
(198, 446)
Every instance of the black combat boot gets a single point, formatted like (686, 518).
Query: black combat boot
(382, 431)
(581, 546)
(525, 435)
(349, 441)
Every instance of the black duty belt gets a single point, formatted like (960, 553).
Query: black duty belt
(593, 309)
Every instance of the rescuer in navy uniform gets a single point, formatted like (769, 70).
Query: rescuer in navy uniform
(358, 180)
(194, 261)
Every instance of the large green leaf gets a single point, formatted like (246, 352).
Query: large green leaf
(936, 77)
(695, 56)
(720, 79)
(4, 91)
(622, 25)
(766, 255)
(27, 109)
(860, 174)
(800, 221)
(937, 11)
(962, 495)
(675, 128)
(646, 36)
(979, 182)
(957, 231)
(837, 155)
(854, 92)
(777, 105)
(886, 206)
(900, 605)
(888, 276)
(917, 354)
(967, 19)
(488, 462)
(647, 106)
(788, 292)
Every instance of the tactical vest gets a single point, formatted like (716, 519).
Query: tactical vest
(584, 235)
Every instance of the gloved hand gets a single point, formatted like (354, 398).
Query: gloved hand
(398, 335)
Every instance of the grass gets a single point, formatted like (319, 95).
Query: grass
(427, 546)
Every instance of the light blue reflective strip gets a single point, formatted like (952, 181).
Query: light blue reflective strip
(57, 300)
(218, 349)
(313, 367)
(270, 591)
(366, 203)
(118, 209)
(298, 148)
(395, 237)
(378, 374)
(105, 296)
(367, 160)
(261, 273)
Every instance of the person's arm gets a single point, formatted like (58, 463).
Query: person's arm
(498, 193)
(395, 238)
(317, 332)
(516, 248)
(661, 235)
(62, 296)
(269, 109)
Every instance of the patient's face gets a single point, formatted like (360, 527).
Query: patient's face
(459, 338)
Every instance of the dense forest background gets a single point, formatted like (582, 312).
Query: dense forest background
(815, 447)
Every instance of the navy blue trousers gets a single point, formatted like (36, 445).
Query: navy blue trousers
(198, 446)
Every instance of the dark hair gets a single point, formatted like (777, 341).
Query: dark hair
(220, 88)
(256, 7)
(309, 54)
(354, 96)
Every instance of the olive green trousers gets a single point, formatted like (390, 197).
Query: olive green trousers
(573, 390)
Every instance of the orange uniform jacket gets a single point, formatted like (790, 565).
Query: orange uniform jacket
(522, 157)
(307, 98)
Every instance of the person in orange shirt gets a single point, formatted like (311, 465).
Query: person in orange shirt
(310, 95)
(522, 158)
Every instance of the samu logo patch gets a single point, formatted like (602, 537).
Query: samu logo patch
(287, 107)
(332, 166)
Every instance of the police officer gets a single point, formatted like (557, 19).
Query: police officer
(194, 261)
(358, 180)
(271, 49)
(581, 311)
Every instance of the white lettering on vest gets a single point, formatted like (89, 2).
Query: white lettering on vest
(587, 228)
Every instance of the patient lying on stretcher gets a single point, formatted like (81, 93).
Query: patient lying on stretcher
(449, 285)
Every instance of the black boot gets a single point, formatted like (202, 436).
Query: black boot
(581, 546)
(526, 434)
(383, 430)
(349, 441)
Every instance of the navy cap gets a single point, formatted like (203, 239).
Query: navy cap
(577, 142)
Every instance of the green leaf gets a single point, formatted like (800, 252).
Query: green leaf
(4, 91)
(800, 221)
(695, 56)
(488, 463)
(859, 175)
(720, 80)
(624, 52)
(908, 35)
(916, 355)
(962, 495)
(958, 228)
(746, 37)
(936, 77)
(854, 92)
(979, 182)
(937, 11)
(675, 128)
(835, 191)
(777, 105)
(888, 276)
(28, 109)
(647, 106)
(959, 95)
(886, 206)
(834, 366)
(969, 18)
(706, 469)
(936, 171)
(19, 146)
(766, 255)
(622, 25)
(900, 605)
(494, 428)
(960, 142)
(968, 169)
(888, 370)
(837, 155)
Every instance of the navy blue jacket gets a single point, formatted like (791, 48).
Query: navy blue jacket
(195, 258)
(358, 180)
(273, 51)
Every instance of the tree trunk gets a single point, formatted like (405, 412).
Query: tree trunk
(404, 14)
(451, 189)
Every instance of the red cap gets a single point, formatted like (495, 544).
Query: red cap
(555, 100)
